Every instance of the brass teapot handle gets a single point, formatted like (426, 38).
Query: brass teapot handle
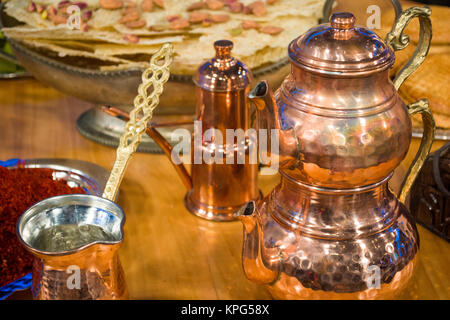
(429, 128)
(398, 41)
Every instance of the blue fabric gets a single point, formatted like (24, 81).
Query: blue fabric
(19, 284)
(10, 162)
(25, 281)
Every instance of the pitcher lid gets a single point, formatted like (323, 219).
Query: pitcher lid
(341, 47)
(223, 72)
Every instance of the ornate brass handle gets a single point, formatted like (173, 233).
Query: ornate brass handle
(149, 91)
(429, 129)
(398, 41)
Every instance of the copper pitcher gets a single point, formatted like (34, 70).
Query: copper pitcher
(332, 229)
(215, 191)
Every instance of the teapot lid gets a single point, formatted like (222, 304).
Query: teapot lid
(223, 72)
(341, 47)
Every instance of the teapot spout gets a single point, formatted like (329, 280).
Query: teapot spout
(262, 96)
(246, 216)
(255, 267)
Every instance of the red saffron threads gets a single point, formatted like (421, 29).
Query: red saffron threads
(19, 189)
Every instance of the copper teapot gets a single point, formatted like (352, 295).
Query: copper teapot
(332, 228)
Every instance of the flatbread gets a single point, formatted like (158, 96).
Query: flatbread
(431, 81)
(118, 49)
(106, 37)
(64, 51)
(63, 33)
(17, 10)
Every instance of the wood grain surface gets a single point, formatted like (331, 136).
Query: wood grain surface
(167, 253)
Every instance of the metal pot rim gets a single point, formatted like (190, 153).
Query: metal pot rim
(63, 200)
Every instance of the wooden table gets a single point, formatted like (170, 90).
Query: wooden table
(167, 253)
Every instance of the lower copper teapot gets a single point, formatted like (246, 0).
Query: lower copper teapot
(316, 243)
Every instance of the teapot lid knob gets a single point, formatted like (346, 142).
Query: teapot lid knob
(223, 48)
(341, 47)
(343, 20)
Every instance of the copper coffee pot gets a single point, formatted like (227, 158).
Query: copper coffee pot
(332, 228)
(72, 260)
(216, 190)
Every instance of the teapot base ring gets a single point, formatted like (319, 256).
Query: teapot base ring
(213, 213)
(402, 285)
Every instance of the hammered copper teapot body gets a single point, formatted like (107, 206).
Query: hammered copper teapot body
(332, 228)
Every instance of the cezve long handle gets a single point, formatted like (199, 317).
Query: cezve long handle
(149, 91)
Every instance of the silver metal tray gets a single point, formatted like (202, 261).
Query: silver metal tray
(89, 176)
(14, 75)
(441, 134)
(116, 88)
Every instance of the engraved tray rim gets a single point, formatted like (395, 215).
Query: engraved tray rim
(441, 134)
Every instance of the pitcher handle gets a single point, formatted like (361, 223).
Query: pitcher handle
(398, 41)
(429, 129)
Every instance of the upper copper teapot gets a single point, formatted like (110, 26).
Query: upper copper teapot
(332, 223)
